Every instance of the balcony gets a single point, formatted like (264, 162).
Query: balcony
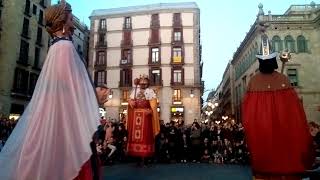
(125, 84)
(177, 60)
(101, 45)
(25, 34)
(154, 41)
(156, 83)
(39, 42)
(100, 66)
(125, 62)
(23, 60)
(102, 29)
(126, 43)
(42, 3)
(40, 20)
(27, 11)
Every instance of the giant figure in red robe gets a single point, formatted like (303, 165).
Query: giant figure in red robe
(275, 122)
(143, 122)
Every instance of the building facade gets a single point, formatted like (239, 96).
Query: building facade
(297, 30)
(23, 48)
(159, 40)
(81, 39)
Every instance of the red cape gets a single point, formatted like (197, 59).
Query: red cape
(276, 127)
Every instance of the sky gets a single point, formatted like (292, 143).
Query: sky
(224, 24)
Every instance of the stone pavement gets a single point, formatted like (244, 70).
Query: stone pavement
(177, 172)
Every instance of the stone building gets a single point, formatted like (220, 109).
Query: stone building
(159, 40)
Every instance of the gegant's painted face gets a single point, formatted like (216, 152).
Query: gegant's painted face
(144, 83)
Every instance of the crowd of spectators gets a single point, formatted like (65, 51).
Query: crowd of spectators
(178, 143)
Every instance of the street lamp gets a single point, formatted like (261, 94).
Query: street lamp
(191, 93)
(110, 94)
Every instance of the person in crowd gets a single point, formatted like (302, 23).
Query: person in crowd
(217, 158)
(109, 143)
(195, 137)
(184, 148)
(206, 156)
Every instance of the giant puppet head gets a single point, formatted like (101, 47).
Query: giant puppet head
(267, 58)
(58, 17)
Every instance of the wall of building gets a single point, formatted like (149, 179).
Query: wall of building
(12, 18)
(140, 51)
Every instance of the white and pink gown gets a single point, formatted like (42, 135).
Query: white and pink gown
(52, 138)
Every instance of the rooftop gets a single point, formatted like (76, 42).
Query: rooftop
(143, 8)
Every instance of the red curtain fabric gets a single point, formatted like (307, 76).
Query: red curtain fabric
(277, 132)
(140, 138)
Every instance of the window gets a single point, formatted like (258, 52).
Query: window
(39, 36)
(177, 76)
(36, 57)
(126, 78)
(293, 76)
(27, 7)
(302, 44)
(20, 84)
(154, 55)
(101, 60)
(177, 55)
(40, 20)
(177, 95)
(155, 36)
(155, 20)
(103, 24)
(125, 95)
(177, 52)
(127, 24)
(25, 30)
(289, 43)
(155, 77)
(244, 82)
(176, 19)
(102, 39)
(32, 82)
(34, 9)
(42, 3)
(177, 36)
(100, 78)
(126, 56)
(24, 52)
(276, 44)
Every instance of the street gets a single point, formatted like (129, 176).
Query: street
(177, 171)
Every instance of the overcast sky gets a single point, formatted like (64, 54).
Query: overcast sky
(224, 24)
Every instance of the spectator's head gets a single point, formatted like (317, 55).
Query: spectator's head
(313, 128)
(206, 152)
(121, 127)
(162, 135)
(184, 136)
(206, 140)
(125, 139)
(161, 122)
(214, 142)
(196, 125)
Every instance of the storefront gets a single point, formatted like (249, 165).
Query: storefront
(177, 113)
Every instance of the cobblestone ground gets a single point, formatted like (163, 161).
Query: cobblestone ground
(177, 172)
